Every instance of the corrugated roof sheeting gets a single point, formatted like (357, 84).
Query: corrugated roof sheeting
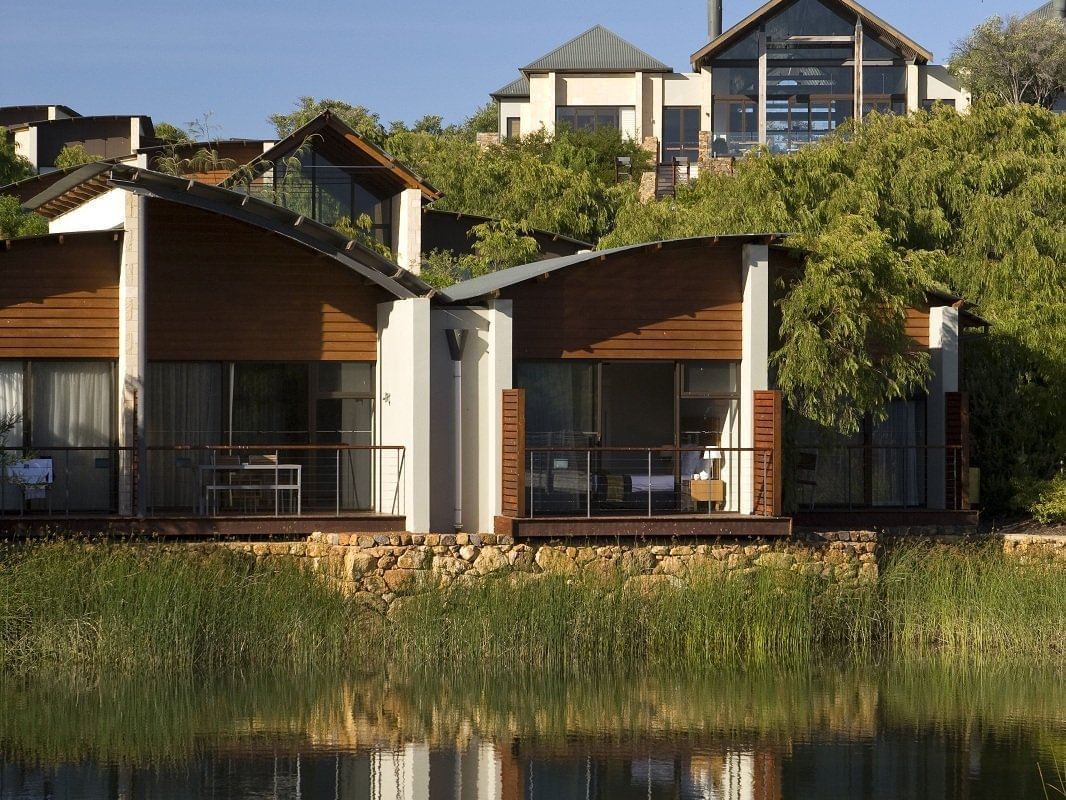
(516, 88)
(597, 50)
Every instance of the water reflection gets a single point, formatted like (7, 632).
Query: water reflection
(824, 733)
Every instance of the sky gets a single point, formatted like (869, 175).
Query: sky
(241, 60)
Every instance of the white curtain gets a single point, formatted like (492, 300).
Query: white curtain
(184, 404)
(73, 407)
(10, 406)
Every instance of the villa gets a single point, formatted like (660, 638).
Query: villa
(205, 354)
(785, 76)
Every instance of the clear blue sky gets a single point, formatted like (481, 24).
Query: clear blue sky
(244, 59)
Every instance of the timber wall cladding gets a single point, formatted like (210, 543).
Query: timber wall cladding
(513, 482)
(673, 303)
(767, 472)
(59, 296)
(219, 289)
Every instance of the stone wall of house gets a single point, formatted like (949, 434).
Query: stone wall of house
(383, 567)
(486, 140)
(1036, 547)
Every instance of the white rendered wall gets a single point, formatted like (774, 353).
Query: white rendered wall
(683, 89)
(26, 144)
(102, 213)
(755, 354)
(597, 90)
(401, 773)
(944, 361)
(936, 83)
(514, 108)
(486, 372)
(542, 102)
(403, 407)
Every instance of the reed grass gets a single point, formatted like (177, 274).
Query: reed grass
(78, 605)
(105, 607)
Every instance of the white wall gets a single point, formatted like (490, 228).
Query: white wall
(936, 83)
(407, 229)
(132, 353)
(486, 372)
(755, 354)
(403, 406)
(597, 90)
(26, 144)
(514, 108)
(684, 89)
(542, 91)
(102, 213)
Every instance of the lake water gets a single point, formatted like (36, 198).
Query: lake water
(826, 732)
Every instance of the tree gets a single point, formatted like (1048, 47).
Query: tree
(360, 119)
(486, 119)
(168, 132)
(74, 155)
(13, 220)
(973, 204)
(1014, 61)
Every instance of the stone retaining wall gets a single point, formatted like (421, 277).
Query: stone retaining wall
(383, 567)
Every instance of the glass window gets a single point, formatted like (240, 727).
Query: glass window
(560, 401)
(709, 377)
(11, 398)
(581, 118)
(514, 128)
(898, 455)
(269, 403)
(874, 50)
(884, 80)
(747, 48)
(734, 81)
(810, 18)
(346, 377)
(736, 127)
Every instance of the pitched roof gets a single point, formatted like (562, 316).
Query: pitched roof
(516, 88)
(1045, 12)
(869, 20)
(353, 150)
(93, 180)
(596, 50)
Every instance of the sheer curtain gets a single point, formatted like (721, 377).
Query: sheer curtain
(11, 406)
(184, 404)
(898, 460)
(72, 407)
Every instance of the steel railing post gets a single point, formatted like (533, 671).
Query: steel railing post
(66, 483)
(338, 482)
(765, 502)
(649, 482)
(588, 483)
(531, 481)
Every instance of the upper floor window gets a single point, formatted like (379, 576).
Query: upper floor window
(585, 118)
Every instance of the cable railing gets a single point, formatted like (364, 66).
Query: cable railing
(279, 480)
(647, 481)
(865, 476)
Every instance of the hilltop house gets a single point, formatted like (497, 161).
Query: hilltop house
(785, 76)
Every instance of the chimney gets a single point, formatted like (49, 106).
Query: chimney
(714, 19)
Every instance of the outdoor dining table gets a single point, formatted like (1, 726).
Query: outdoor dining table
(209, 485)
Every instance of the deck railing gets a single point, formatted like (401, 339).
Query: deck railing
(866, 476)
(646, 481)
(289, 480)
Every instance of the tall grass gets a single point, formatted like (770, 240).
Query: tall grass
(76, 606)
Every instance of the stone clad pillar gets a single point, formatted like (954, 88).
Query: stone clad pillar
(944, 361)
(132, 359)
(755, 355)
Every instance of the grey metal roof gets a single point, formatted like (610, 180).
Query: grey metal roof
(494, 281)
(516, 88)
(1046, 12)
(597, 50)
(99, 177)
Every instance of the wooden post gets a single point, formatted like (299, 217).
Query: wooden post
(513, 473)
(767, 472)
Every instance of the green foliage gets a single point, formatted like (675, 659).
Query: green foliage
(360, 119)
(74, 155)
(168, 132)
(498, 244)
(563, 184)
(1050, 504)
(15, 222)
(1013, 60)
(13, 167)
(362, 231)
(77, 607)
(485, 119)
(972, 203)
